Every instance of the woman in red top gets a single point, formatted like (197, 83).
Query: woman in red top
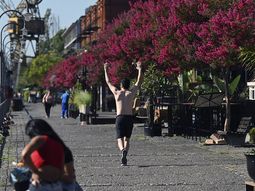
(44, 155)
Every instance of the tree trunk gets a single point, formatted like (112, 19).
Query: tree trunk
(227, 99)
(151, 112)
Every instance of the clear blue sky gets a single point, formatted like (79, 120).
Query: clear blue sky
(68, 11)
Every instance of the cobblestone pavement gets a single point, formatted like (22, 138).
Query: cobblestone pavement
(158, 163)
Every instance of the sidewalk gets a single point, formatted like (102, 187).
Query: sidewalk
(154, 164)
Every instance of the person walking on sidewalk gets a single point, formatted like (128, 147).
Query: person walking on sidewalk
(48, 102)
(65, 100)
(124, 102)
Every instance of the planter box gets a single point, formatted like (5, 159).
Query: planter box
(250, 165)
(73, 113)
(17, 105)
(153, 130)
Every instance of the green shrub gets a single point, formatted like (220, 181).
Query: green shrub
(82, 98)
(1, 139)
(252, 135)
(26, 95)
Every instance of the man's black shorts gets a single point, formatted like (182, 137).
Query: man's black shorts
(124, 126)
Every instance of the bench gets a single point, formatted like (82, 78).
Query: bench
(237, 138)
(250, 185)
(244, 126)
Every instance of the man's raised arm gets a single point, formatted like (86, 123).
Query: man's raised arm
(112, 88)
(140, 75)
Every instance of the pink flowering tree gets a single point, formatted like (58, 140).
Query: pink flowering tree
(92, 70)
(64, 74)
(221, 39)
(172, 35)
(204, 34)
(130, 38)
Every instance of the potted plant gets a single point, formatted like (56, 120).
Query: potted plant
(82, 98)
(252, 135)
(152, 84)
(250, 155)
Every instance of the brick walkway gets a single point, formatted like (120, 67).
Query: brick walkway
(158, 163)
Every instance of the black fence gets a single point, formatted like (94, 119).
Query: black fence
(203, 117)
(4, 108)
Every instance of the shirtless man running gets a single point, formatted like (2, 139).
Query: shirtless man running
(124, 101)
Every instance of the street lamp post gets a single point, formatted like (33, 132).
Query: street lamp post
(3, 67)
(11, 10)
(7, 54)
(5, 45)
(3, 41)
(1, 37)
(2, 60)
(2, 80)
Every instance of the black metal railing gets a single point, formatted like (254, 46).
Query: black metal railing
(4, 108)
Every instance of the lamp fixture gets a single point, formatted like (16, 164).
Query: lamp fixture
(33, 2)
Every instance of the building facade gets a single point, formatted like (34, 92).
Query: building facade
(85, 31)
(72, 35)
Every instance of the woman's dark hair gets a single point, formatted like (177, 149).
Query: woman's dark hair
(68, 155)
(36, 127)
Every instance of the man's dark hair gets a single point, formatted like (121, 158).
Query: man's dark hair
(125, 83)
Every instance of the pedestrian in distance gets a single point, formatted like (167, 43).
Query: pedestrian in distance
(44, 155)
(124, 102)
(48, 100)
(84, 111)
(65, 100)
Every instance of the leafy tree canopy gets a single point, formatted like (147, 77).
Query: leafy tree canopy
(34, 74)
(55, 44)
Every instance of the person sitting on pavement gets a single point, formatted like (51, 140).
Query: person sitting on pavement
(44, 156)
(124, 101)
